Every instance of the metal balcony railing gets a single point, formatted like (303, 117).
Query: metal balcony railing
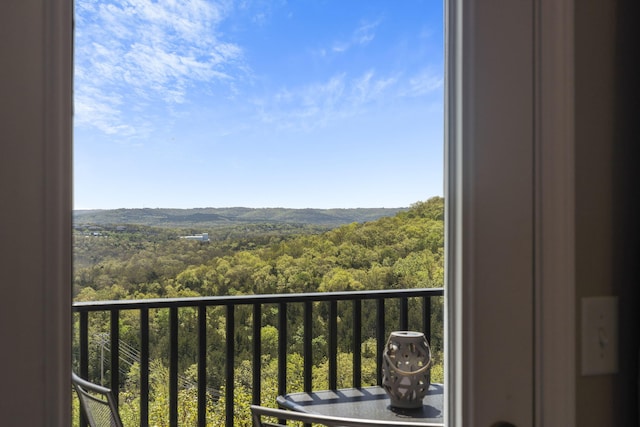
(122, 353)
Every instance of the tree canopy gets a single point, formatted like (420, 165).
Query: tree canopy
(405, 250)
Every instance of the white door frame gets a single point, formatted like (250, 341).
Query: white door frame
(35, 230)
(510, 204)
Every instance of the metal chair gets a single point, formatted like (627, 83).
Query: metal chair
(261, 412)
(97, 403)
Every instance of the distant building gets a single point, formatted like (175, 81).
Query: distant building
(204, 237)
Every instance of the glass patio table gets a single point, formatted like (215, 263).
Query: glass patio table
(366, 403)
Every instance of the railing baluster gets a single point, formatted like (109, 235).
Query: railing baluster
(307, 345)
(426, 322)
(115, 354)
(256, 398)
(231, 341)
(173, 366)
(404, 314)
(357, 343)
(202, 365)
(333, 345)
(84, 344)
(380, 338)
(144, 367)
(426, 317)
(84, 352)
(282, 348)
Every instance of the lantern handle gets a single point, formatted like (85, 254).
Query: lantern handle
(401, 372)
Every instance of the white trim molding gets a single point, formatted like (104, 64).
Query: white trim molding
(490, 213)
(57, 208)
(555, 361)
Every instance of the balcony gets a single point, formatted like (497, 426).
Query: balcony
(118, 336)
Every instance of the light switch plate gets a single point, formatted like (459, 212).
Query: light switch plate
(599, 335)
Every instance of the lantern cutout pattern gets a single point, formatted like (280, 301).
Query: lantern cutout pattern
(405, 368)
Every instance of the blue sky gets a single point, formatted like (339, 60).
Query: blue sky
(266, 103)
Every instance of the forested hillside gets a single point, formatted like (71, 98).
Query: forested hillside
(404, 250)
(133, 262)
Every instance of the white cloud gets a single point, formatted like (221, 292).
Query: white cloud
(316, 105)
(340, 47)
(423, 83)
(93, 108)
(340, 97)
(365, 33)
(361, 36)
(155, 50)
(367, 88)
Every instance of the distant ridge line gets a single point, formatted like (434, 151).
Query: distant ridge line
(168, 217)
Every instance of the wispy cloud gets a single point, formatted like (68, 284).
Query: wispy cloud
(317, 105)
(426, 81)
(365, 33)
(368, 88)
(132, 52)
(99, 110)
(361, 36)
(340, 97)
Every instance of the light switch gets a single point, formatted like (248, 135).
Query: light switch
(599, 335)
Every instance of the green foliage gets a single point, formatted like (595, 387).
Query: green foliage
(405, 250)
(401, 251)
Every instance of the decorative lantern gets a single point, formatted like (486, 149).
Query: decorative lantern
(406, 360)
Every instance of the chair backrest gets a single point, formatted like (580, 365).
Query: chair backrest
(97, 403)
(274, 416)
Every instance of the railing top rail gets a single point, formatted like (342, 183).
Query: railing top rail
(252, 299)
